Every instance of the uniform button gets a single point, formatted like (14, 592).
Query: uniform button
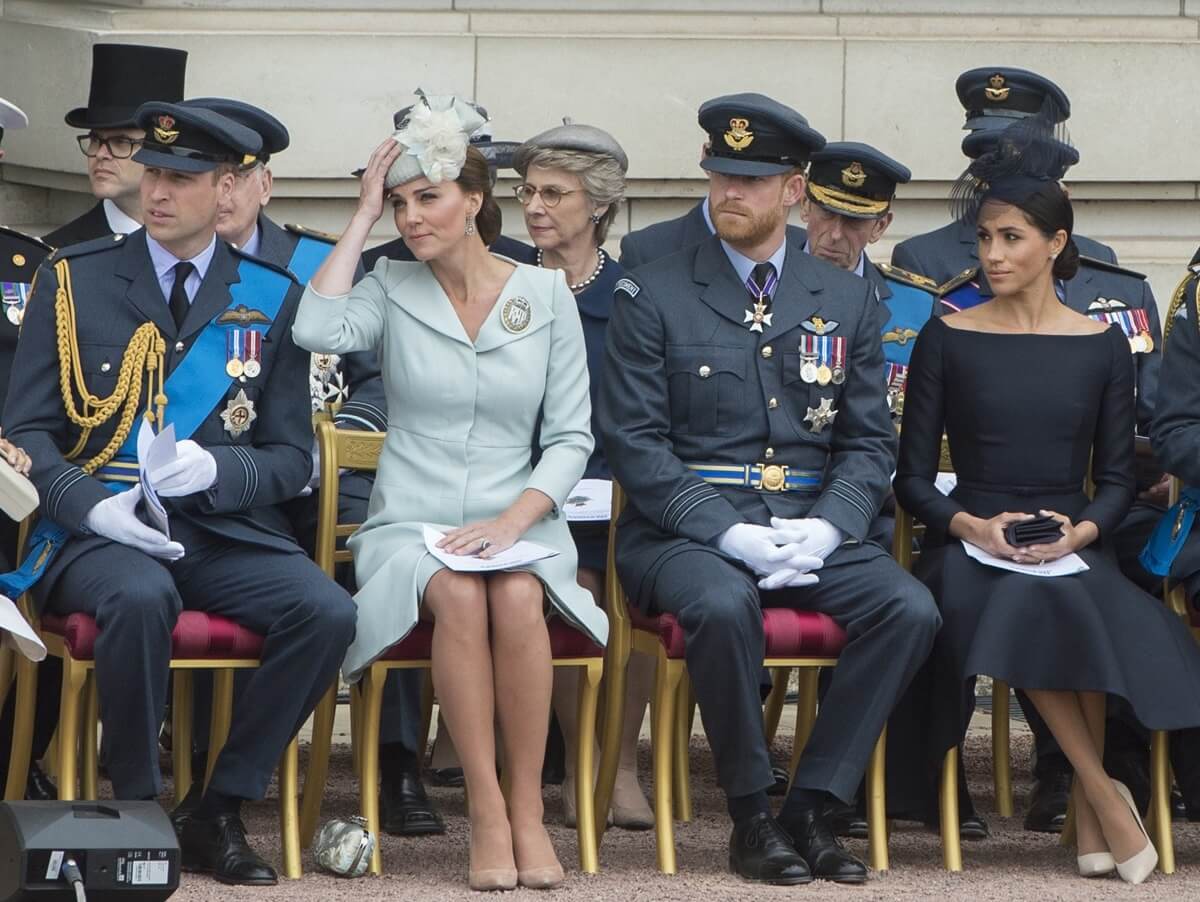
(767, 351)
(105, 367)
(772, 404)
(769, 453)
(178, 347)
(705, 371)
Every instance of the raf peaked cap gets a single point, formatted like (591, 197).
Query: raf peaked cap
(854, 180)
(193, 139)
(124, 76)
(750, 134)
(274, 133)
(1004, 93)
(11, 116)
(20, 256)
(572, 136)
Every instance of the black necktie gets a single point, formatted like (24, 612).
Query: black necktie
(179, 300)
(763, 277)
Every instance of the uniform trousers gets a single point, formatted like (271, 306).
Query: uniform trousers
(890, 621)
(307, 622)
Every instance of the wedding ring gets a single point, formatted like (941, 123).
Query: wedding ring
(484, 544)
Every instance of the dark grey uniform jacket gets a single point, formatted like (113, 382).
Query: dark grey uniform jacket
(88, 227)
(660, 411)
(665, 238)
(116, 291)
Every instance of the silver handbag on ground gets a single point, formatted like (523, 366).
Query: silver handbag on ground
(344, 846)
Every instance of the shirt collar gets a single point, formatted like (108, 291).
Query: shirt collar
(743, 265)
(707, 216)
(859, 270)
(252, 246)
(164, 261)
(118, 221)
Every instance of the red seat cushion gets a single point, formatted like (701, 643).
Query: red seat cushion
(565, 642)
(789, 633)
(196, 636)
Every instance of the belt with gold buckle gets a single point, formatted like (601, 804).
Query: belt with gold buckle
(764, 477)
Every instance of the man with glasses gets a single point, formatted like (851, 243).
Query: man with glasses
(124, 76)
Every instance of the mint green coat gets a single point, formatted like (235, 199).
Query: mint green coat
(460, 429)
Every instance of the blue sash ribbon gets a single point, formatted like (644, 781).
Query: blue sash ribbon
(308, 257)
(193, 392)
(1172, 531)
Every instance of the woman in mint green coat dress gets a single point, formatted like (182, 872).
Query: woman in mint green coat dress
(472, 348)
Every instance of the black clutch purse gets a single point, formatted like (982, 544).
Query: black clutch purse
(1039, 531)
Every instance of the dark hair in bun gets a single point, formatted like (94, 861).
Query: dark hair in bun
(475, 177)
(1049, 210)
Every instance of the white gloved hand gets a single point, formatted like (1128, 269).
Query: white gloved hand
(787, 578)
(193, 470)
(816, 536)
(753, 546)
(114, 518)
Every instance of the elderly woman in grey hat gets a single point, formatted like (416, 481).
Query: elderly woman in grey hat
(572, 180)
(475, 352)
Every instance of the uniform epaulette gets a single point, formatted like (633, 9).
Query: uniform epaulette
(306, 232)
(267, 264)
(961, 279)
(108, 242)
(896, 274)
(1109, 267)
(1176, 309)
(1195, 258)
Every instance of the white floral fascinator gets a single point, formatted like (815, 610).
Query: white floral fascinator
(435, 138)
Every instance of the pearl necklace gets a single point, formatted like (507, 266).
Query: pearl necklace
(601, 257)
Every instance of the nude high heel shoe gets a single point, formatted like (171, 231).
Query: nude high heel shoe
(1096, 864)
(492, 879)
(1140, 866)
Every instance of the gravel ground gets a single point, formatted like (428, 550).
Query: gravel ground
(1012, 865)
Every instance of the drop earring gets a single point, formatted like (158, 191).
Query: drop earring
(470, 230)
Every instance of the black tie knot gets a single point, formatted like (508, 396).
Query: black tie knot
(179, 300)
(761, 275)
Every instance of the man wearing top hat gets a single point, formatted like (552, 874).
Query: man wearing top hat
(124, 76)
(183, 331)
(499, 155)
(744, 412)
(352, 384)
(992, 98)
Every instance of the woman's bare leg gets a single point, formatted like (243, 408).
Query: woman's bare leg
(1089, 835)
(1064, 714)
(463, 676)
(523, 676)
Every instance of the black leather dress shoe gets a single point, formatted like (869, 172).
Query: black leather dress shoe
(183, 812)
(1179, 810)
(827, 858)
(1048, 804)
(219, 847)
(760, 850)
(781, 778)
(39, 787)
(447, 776)
(405, 810)
(847, 820)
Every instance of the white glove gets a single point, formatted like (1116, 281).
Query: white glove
(816, 536)
(193, 470)
(788, 578)
(752, 545)
(114, 518)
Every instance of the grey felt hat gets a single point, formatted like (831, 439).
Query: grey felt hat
(572, 136)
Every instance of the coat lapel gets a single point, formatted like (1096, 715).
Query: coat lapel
(144, 292)
(275, 245)
(875, 277)
(1079, 292)
(800, 289)
(722, 290)
(213, 297)
(493, 334)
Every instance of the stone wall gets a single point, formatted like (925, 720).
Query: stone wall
(881, 71)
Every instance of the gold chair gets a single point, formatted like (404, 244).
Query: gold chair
(660, 637)
(199, 642)
(342, 449)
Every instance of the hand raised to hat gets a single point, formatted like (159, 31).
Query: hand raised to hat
(370, 191)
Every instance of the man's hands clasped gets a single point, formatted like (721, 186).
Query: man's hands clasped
(785, 554)
(116, 518)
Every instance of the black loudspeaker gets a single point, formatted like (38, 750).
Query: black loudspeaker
(124, 850)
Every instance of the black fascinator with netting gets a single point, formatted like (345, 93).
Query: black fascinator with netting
(1025, 157)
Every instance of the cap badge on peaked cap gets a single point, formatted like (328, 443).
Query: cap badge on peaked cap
(997, 89)
(164, 130)
(853, 176)
(739, 136)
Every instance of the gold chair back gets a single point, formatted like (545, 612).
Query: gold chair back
(339, 449)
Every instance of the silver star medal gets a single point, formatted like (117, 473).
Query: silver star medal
(758, 317)
(820, 417)
(238, 414)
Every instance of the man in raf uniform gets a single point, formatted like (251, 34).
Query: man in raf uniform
(745, 415)
(352, 383)
(165, 335)
(499, 155)
(124, 76)
(993, 97)
(848, 205)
